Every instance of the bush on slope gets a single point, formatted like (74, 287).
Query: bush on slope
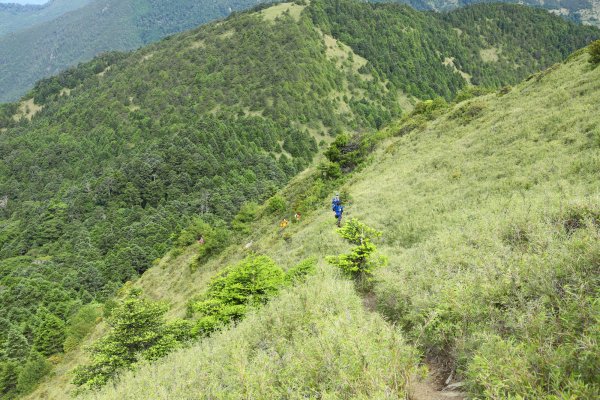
(313, 340)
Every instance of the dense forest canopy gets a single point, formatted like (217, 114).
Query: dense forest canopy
(103, 165)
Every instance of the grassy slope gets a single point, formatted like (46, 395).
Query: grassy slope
(482, 268)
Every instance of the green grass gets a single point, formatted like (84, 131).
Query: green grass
(314, 341)
(490, 221)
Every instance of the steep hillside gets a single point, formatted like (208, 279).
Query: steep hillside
(489, 213)
(48, 47)
(107, 166)
(586, 11)
(16, 17)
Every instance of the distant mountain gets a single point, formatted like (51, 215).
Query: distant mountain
(16, 17)
(586, 11)
(46, 48)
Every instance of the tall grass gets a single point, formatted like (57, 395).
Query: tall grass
(314, 341)
(490, 215)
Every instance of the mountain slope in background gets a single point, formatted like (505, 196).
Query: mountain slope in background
(16, 17)
(489, 213)
(47, 48)
(586, 11)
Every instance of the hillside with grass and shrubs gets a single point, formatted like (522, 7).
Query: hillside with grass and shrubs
(164, 167)
(469, 249)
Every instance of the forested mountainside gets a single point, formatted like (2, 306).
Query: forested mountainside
(16, 17)
(586, 11)
(105, 165)
(485, 269)
(46, 48)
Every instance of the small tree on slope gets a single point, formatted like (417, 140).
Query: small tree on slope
(358, 263)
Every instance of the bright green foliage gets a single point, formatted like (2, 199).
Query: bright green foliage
(299, 272)
(358, 263)
(33, 370)
(137, 332)
(431, 108)
(594, 51)
(237, 289)
(49, 335)
(276, 205)
(216, 237)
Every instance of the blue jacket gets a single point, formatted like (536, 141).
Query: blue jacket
(338, 209)
(335, 202)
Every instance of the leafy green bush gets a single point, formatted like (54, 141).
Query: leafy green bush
(349, 151)
(238, 288)
(137, 332)
(276, 204)
(594, 50)
(299, 272)
(358, 264)
(430, 108)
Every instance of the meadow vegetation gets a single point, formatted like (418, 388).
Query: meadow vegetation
(161, 157)
(490, 226)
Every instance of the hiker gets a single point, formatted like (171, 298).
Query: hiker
(338, 209)
(284, 223)
(297, 217)
(201, 240)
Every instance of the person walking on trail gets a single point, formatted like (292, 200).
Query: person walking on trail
(338, 209)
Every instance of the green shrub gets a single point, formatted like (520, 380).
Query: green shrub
(137, 332)
(299, 272)
(594, 50)
(348, 151)
(358, 263)
(430, 109)
(330, 170)
(276, 204)
(468, 112)
(234, 291)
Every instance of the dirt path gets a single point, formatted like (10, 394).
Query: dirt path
(430, 389)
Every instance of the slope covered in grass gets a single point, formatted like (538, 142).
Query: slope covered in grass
(315, 340)
(490, 219)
